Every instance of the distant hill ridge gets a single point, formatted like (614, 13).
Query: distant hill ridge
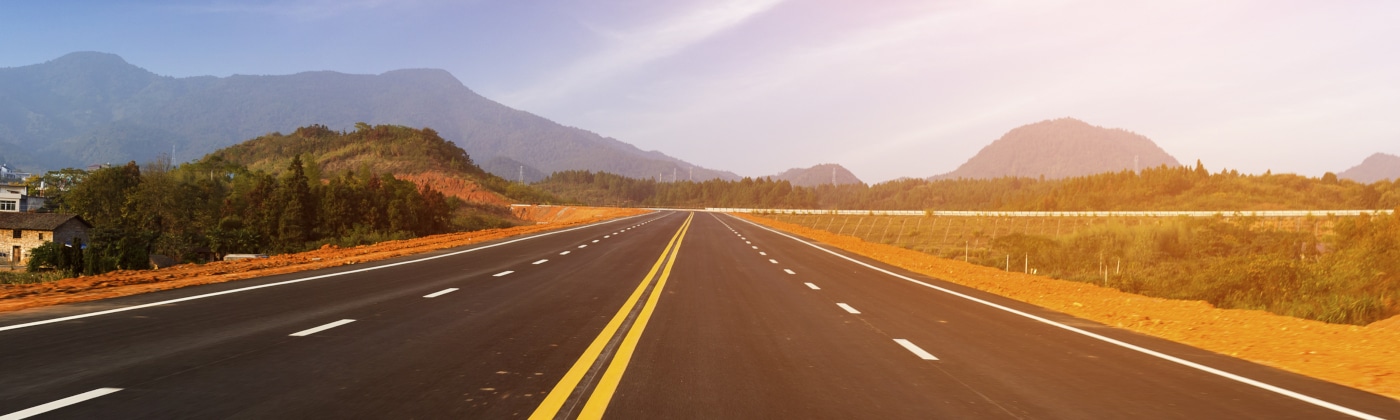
(822, 174)
(1377, 167)
(1062, 148)
(88, 107)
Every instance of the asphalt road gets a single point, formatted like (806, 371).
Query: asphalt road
(665, 315)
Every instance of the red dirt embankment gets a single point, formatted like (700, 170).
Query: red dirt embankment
(124, 283)
(450, 185)
(1366, 358)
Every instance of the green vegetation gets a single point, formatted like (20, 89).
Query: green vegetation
(221, 205)
(1339, 269)
(381, 148)
(605, 189)
(1160, 188)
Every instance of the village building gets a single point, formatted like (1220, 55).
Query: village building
(22, 232)
(16, 198)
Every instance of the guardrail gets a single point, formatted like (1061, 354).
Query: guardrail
(1262, 213)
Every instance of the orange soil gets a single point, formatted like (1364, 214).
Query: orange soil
(455, 186)
(1366, 358)
(549, 214)
(124, 283)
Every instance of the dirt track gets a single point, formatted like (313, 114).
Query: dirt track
(1361, 357)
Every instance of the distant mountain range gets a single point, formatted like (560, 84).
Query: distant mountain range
(823, 174)
(86, 108)
(1379, 166)
(1062, 148)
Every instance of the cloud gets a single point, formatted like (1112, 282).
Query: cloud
(627, 51)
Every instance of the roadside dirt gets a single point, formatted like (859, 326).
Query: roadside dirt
(125, 283)
(1366, 358)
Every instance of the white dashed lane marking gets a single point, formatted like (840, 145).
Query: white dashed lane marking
(915, 349)
(440, 293)
(304, 333)
(772, 261)
(813, 286)
(539, 262)
(788, 271)
(848, 308)
(503, 273)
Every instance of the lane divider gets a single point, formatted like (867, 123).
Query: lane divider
(918, 351)
(47, 407)
(440, 293)
(1221, 373)
(611, 343)
(539, 262)
(503, 273)
(307, 332)
(813, 286)
(788, 271)
(848, 308)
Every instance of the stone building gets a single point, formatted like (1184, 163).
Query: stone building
(22, 232)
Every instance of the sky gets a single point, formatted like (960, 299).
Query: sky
(888, 89)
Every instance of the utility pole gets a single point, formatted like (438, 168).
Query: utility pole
(833, 176)
(673, 175)
(692, 174)
(522, 174)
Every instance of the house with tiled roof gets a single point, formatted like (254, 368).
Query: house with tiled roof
(22, 232)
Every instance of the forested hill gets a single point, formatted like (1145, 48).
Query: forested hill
(1161, 188)
(418, 155)
(1062, 148)
(86, 108)
(826, 173)
(1379, 166)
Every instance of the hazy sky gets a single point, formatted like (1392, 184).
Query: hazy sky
(886, 88)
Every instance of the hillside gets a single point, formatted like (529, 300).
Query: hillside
(823, 174)
(1062, 148)
(420, 156)
(86, 108)
(512, 170)
(1377, 167)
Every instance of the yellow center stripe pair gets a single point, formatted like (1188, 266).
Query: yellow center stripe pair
(598, 401)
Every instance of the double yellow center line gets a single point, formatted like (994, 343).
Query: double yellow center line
(597, 402)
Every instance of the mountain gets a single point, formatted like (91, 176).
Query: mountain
(88, 107)
(823, 174)
(1375, 168)
(1062, 148)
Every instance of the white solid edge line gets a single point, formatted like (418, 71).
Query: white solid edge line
(441, 292)
(307, 332)
(813, 286)
(539, 262)
(848, 308)
(789, 272)
(47, 407)
(1272, 388)
(280, 283)
(918, 351)
(503, 273)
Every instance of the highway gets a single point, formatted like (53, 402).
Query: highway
(664, 315)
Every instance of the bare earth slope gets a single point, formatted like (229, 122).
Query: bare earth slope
(1360, 357)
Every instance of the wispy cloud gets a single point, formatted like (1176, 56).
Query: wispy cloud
(628, 50)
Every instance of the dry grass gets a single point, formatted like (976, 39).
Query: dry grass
(1361, 357)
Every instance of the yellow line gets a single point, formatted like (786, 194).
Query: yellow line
(602, 394)
(554, 401)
